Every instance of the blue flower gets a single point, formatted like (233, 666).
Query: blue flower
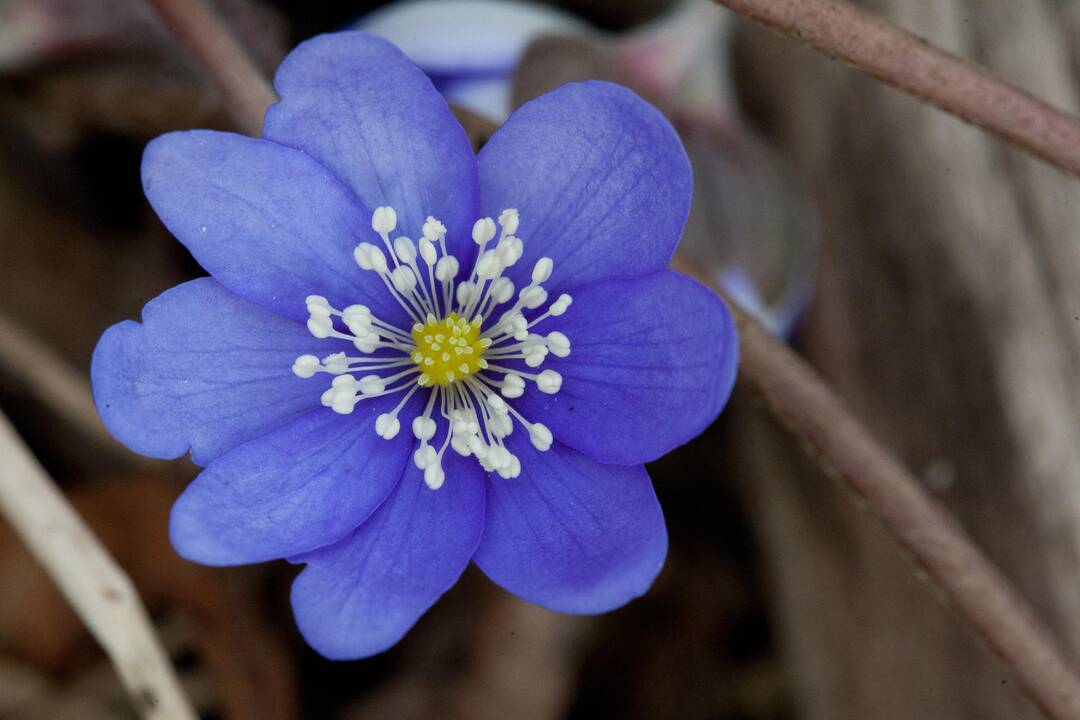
(409, 357)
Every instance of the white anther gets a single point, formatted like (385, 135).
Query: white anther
(427, 251)
(542, 270)
(355, 311)
(508, 221)
(502, 290)
(404, 279)
(423, 428)
(534, 356)
(558, 343)
(483, 230)
(549, 382)
(433, 229)
(513, 386)
(359, 324)
(343, 404)
(424, 456)
(366, 343)
(369, 257)
(497, 405)
(405, 249)
(488, 266)
(540, 436)
(501, 425)
(387, 426)
(434, 476)
(465, 293)
(373, 384)
(559, 306)
(317, 305)
(336, 364)
(533, 297)
(510, 250)
(447, 268)
(508, 466)
(384, 220)
(476, 446)
(305, 366)
(519, 324)
(460, 445)
(320, 326)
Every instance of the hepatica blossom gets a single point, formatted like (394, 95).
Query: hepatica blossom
(409, 356)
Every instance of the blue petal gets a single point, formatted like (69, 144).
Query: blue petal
(267, 221)
(360, 596)
(356, 104)
(205, 371)
(571, 534)
(652, 362)
(301, 487)
(599, 177)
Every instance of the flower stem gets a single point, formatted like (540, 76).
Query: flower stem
(901, 59)
(802, 401)
(225, 61)
(97, 588)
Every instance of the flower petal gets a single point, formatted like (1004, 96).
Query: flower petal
(356, 104)
(205, 371)
(571, 534)
(600, 178)
(267, 221)
(360, 596)
(652, 362)
(301, 487)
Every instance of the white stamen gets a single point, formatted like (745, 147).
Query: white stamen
(558, 343)
(384, 220)
(549, 382)
(483, 231)
(513, 386)
(387, 426)
(457, 361)
(305, 366)
(540, 436)
(405, 249)
(542, 270)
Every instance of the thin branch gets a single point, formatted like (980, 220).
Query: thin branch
(225, 61)
(800, 399)
(62, 388)
(905, 61)
(98, 590)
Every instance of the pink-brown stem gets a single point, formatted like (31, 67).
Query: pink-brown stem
(226, 63)
(800, 399)
(869, 43)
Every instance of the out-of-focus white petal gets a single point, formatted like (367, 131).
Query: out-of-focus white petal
(465, 36)
(479, 41)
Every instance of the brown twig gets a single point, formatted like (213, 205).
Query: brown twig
(97, 588)
(62, 388)
(800, 398)
(225, 61)
(905, 61)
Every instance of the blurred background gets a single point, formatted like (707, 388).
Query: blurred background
(929, 272)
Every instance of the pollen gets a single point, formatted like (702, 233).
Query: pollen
(447, 350)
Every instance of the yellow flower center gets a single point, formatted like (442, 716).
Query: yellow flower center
(448, 350)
